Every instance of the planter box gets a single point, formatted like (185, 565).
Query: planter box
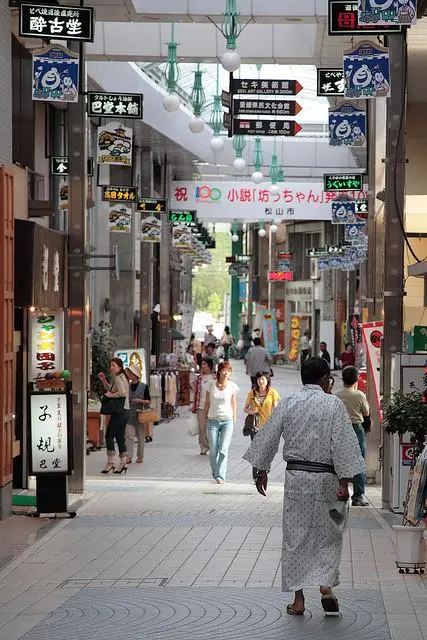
(94, 431)
(410, 548)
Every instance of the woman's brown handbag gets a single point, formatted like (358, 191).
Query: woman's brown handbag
(147, 416)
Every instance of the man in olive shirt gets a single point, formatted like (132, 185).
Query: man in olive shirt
(357, 408)
(257, 360)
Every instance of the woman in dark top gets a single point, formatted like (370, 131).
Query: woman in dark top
(348, 357)
(139, 397)
(324, 353)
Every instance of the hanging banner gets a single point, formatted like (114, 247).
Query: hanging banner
(387, 12)
(182, 237)
(372, 333)
(46, 344)
(343, 212)
(151, 229)
(47, 21)
(270, 332)
(367, 71)
(119, 218)
(63, 194)
(323, 264)
(124, 105)
(136, 357)
(295, 338)
(347, 126)
(55, 75)
(115, 143)
(336, 262)
(355, 233)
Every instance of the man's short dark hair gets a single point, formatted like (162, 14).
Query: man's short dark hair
(313, 370)
(350, 375)
(257, 342)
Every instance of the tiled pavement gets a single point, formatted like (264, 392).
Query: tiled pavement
(166, 554)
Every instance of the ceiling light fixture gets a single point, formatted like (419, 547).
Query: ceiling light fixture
(171, 101)
(198, 98)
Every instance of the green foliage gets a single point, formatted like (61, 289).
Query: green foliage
(214, 305)
(103, 347)
(407, 413)
(213, 279)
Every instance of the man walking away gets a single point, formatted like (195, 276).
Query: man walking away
(258, 360)
(358, 408)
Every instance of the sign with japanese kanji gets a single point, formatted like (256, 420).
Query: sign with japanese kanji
(46, 344)
(343, 182)
(182, 216)
(59, 166)
(246, 201)
(47, 21)
(361, 209)
(55, 75)
(343, 211)
(266, 127)
(152, 205)
(126, 194)
(120, 218)
(49, 433)
(115, 144)
(266, 107)
(125, 105)
(285, 255)
(367, 71)
(343, 20)
(330, 82)
(266, 87)
(280, 276)
(387, 12)
(347, 126)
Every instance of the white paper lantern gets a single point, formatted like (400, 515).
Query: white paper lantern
(257, 177)
(274, 189)
(273, 228)
(239, 164)
(196, 125)
(234, 238)
(261, 233)
(217, 144)
(230, 60)
(171, 102)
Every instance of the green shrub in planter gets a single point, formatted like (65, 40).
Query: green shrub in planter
(405, 413)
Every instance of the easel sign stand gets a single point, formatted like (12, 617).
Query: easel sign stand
(51, 419)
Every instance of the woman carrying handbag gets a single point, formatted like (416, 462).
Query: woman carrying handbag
(116, 405)
(139, 399)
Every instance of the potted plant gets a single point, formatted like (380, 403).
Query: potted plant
(103, 347)
(406, 413)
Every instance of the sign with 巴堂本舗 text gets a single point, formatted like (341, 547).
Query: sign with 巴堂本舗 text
(246, 201)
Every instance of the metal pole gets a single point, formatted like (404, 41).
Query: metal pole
(147, 254)
(250, 245)
(165, 293)
(78, 303)
(271, 265)
(393, 223)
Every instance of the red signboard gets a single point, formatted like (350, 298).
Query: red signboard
(280, 276)
(285, 255)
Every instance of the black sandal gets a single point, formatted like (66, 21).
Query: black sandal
(330, 604)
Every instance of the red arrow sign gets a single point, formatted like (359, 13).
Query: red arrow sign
(298, 87)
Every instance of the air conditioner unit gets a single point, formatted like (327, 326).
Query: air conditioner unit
(314, 270)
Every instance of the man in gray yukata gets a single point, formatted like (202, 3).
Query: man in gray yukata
(322, 454)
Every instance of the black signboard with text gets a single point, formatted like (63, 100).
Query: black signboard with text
(361, 209)
(59, 166)
(266, 107)
(330, 82)
(265, 87)
(343, 182)
(183, 216)
(123, 194)
(342, 19)
(152, 205)
(125, 105)
(47, 21)
(266, 127)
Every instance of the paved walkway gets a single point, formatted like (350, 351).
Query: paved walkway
(166, 554)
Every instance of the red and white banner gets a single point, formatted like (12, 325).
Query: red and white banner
(372, 335)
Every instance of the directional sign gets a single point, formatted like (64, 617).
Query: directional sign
(152, 205)
(266, 107)
(330, 82)
(115, 194)
(226, 99)
(182, 216)
(343, 182)
(47, 21)
(59, 166)
(266, 127)
(266, 87)
(125, 105)
(343, 19)
(325, 251)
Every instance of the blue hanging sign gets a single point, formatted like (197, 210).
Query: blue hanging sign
(55, 75)
(367, 71)
(387, 12)
(336, 263)
(323, 264)
(347, 126)
(355, 233)
(343, 212)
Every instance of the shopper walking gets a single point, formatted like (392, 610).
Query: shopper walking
(221, 412)
(305, 347)
(261, 401)
(348, 357)
(245, 340)
(257, 360)
(205, 377)
(322, 455)
(358, 408)
(118, 420)
(139, 398)
(227, 341)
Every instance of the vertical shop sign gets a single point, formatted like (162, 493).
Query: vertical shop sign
(347, 126)
(373, 333)
(49, 433)
(387, 12)
(55, 75)
(295, 338)
(120, 218)
(270, 332)
(115, 143)
(46, 348)
(367, 71)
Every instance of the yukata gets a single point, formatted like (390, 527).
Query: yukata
(315, 427)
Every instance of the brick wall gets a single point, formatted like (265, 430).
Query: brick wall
(5, 85)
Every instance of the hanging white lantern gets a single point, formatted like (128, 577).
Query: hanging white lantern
(239, 164)
(257, 177)
(273, 228)
(196, 125)
(217, 144)
(230, 60)
(261, 233)
(274, 189)
(171, 102)
(234, 238)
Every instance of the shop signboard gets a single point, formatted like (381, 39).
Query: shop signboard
(361, 209)
(55, 75)
(266, 108)
(295, 337)
(367, 71)
(120, 193)
(270, 331)
(107, 105)
(420, 339)
(265, 87)
(59, 166)
(50, 427)
(373, 333)
(152, 205)
(330, 82)
(181, 216)
(323, 264)
(409, 452)
(266, 127)
(151, 229)
(347, 126)
(115, 143)
(343, 20)
(355, 233)
(182, 237)
(136, 357)
(343, 182)
(280, 276)
(47, 21)
(120, 218)
(343, 211)
(387, 12)
(46, 344)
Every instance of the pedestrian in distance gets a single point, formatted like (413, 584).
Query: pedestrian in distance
(257, 360)
(324, 353)
(305, 346)
(227, 342)
(205, 377)
(348, 357)
(220, 411)
(322, 454)
(139, 398)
